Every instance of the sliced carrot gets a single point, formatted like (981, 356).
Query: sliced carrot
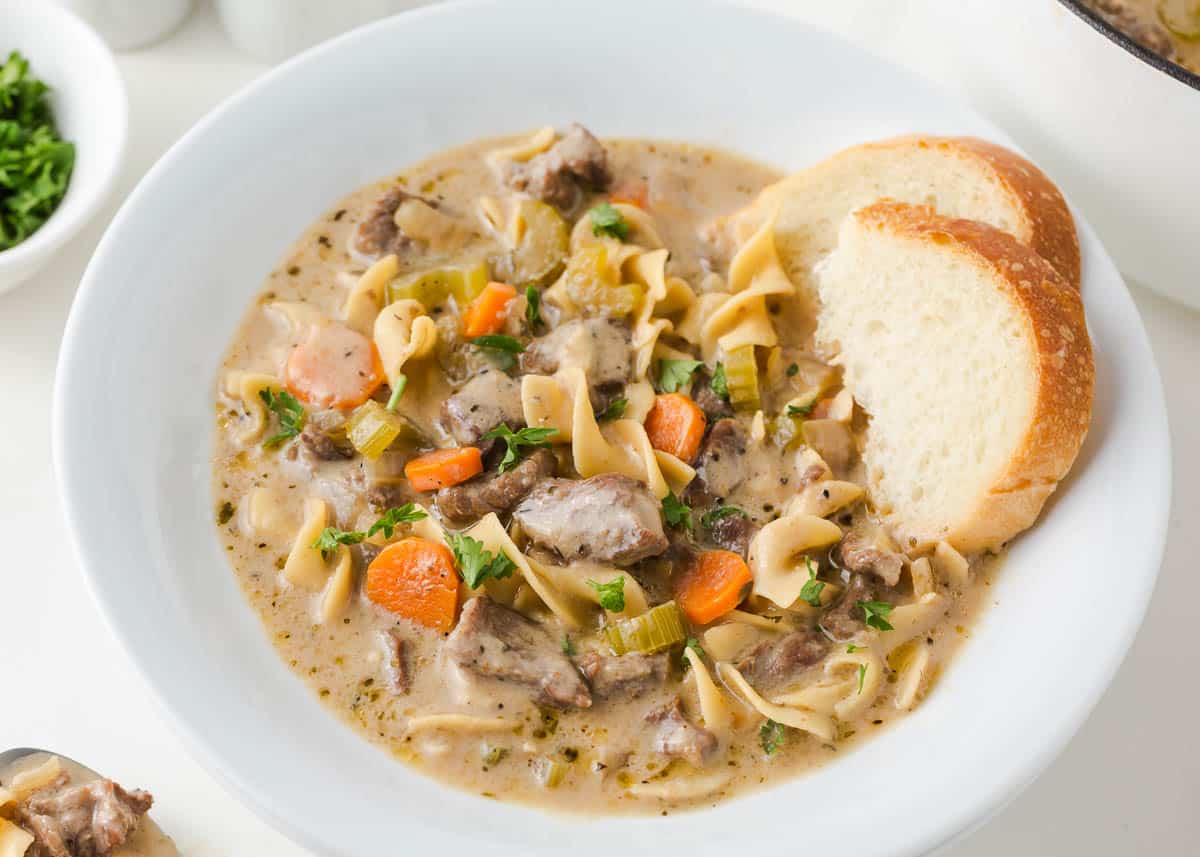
(633, 193)
(714, 583)
(486, 313)
(444, 467)
(336, 367)
(415, 578)
(675, 424)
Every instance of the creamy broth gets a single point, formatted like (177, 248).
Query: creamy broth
(499, 736)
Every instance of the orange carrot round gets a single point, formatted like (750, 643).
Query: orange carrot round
(675, 424)
(336, 367)
(443, 468)
(486, 313)
(633, 193)
(714, 583)
(415, 578)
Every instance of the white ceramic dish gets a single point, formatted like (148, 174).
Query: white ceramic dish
(133, 427)
(90, 108)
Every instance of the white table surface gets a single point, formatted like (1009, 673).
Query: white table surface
(1129, 781)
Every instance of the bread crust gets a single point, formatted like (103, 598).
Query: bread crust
(1057, 330)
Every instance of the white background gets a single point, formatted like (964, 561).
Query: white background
(1129, 782)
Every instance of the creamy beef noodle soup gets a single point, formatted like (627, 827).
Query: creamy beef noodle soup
(544, 489)
(1170, 28)
(52, 807)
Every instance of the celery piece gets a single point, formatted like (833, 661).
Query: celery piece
(653, 631)
(538, 256)
(431, 288)
(592, 287)
(372, 428)
(741, 377)
(549, 773)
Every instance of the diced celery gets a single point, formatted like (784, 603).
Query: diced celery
(538, 256)
(593, 287)
(653, 631)
(549, 773)
(372, 428)
(741, 378)
(434, 286)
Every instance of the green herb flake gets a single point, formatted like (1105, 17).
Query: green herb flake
(810, 593)
(331, 537)
(792, 370)
(492, 756)
(851, 648)
(612, 594)
(800, 410)
(533, 307)
(500, 349)
(607, 220)
(694, 644)
(406, 514)
(475, 564)
(771, 735)
(710, 518)
(718, 382)
(290, 413)
(568, 647)
(514, 441)
(876, 613)
(673, 374)
(225, 513)
(397, 391)
(614, 411)
(862, 675)
(676, 512)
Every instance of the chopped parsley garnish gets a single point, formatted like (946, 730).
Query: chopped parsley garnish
(35, 162)
(800, 410)
(568, 647)
(811, 591)
(771, 735)
(533, 307)
(676, 512)
(673, 374)
(792, 370)
(694, 644)
(709, 518)
(718, 382)
(614, 411)
(515, 440)
(612, 594)
(397, 391)
(876, 613)
(851, 648)
(290, 413)
(500, 349)
(331, 537)
(406, 514)
(607, 220)
(225, 513)
(475, 564)
(862, 674)
(492, 756)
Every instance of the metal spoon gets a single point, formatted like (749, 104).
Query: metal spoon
(147, 840)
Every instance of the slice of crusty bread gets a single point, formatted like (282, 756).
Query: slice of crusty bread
(958, 176)
(971, 355)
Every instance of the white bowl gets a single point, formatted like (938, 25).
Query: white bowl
(133, 426)
(90, 108)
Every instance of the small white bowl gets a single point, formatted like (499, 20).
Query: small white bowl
(90, 108)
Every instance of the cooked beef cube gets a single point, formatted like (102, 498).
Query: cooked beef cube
(598, 346)
(715, 407)
(722, 457)
(867, 549)
(625, 676)
(780, 660)
(88, 820)
(733, 533)
(496, 492)
(493, 641)
(378, 234)
(845, 618)
(679, 738)
(385, 495)
(607, 518)
(399, 668)
(324, 437)
(556, 175)
(484, 402)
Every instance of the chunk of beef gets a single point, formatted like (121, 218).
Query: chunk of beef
(607, 518)
(88, 820)
(398, 666)
(733, 533)
(493, 641)
(715, 407)
(678, 737)
(598, 346)
(484, 402)
(780, 660)
(867, 549)
(722, 457)
(625, 676)
(496, 492)
(843, 620)
(324, 437)
(385, 495)
(378, 234)
(559, 174)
